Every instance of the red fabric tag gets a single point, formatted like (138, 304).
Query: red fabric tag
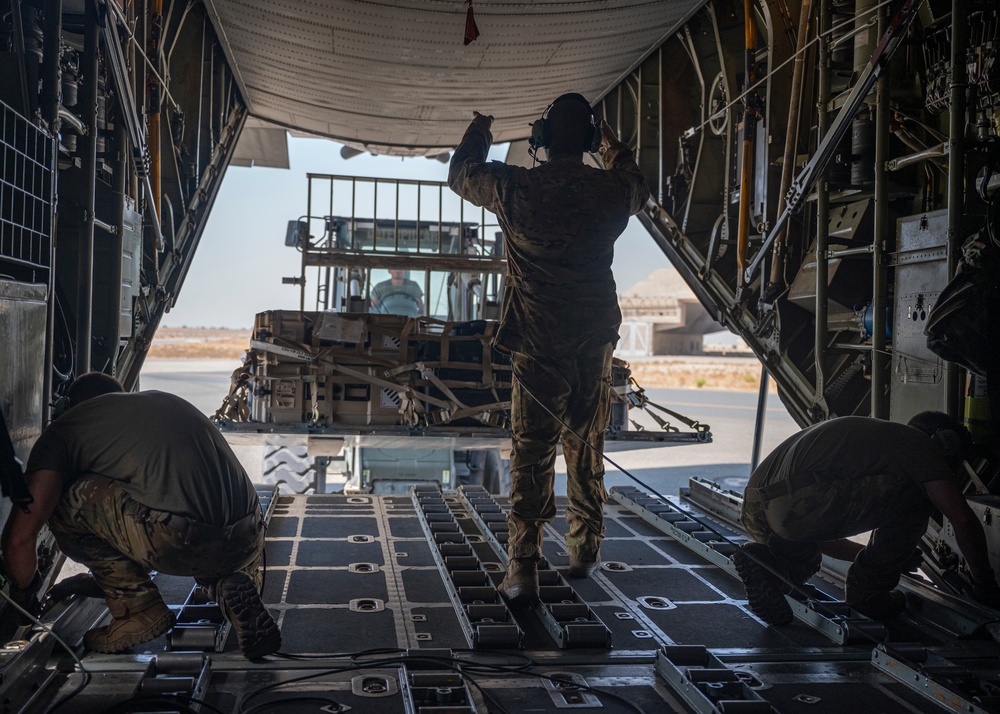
(471, 31)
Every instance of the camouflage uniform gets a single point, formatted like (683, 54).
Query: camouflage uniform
(98, 524)
(835, 480)
(559, 320)
(151, 484)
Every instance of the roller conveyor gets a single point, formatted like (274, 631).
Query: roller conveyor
(406, 584)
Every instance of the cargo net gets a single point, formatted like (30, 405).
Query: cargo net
(328, 369)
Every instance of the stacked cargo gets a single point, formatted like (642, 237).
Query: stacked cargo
(357, 369)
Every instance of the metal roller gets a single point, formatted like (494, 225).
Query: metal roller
(443, 526)
(724, 548)
(836, 608)
(687, 526)
(909, 651)
(472, 594)
(179, 662)
(672, 517)
(167, 685)
(494, 517)
(661, 509)
(590, 634)
(741, 706)
(564, 611)
(195, 614)
(192, 637)
(461, 562)
(462, 578)
(497, 636)
(433, 506)
(704, 536)
(711, 674)
(861, 631)
(448, 537)
(481, 611)
(686, 655)
(455, 549)
(548, 577)
(439, 518)
(555, 593)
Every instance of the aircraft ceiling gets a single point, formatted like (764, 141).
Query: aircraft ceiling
(393, 76)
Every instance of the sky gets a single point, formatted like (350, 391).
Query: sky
(238, 266)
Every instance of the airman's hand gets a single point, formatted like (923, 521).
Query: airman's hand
(607, 135)
(487, 118)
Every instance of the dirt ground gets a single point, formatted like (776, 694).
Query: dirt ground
(702, 372)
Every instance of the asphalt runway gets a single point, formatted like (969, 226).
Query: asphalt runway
(726, 460)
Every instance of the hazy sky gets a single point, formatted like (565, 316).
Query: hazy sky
(238, 267)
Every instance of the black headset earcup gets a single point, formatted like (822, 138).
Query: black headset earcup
(950, 445)
(595, 140)
(540, 134)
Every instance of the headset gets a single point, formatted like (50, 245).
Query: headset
(541, 129)
(951, 445)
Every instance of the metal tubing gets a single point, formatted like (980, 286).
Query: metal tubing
(88, 153)
(883, 240)
(822, 212)
(746, 159)
(50, 64)
(931, 152)
(758, 425)
(153, 85)
(791, 137)
(956, 168)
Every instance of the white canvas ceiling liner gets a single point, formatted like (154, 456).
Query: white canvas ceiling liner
(393, 77)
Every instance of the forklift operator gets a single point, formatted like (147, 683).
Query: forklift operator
(130, 483)
(398, 296)
(559, 319)
(847, 476)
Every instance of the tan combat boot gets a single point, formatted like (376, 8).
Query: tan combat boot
(520, 584)
(132, 623)
(256, 630)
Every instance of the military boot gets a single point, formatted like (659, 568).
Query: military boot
(581, 566)
(520, 584)
(765, 590)
(132, 623)
(256, 630)
(880, 606)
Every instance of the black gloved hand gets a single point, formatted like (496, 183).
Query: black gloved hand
(82, 585)
(26, 598)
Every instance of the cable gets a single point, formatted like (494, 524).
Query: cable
(142, 702)
(76, 660)
(283, 702)
(780, 66)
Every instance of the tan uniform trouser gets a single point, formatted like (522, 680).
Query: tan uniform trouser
(575, 388)
(98, 524)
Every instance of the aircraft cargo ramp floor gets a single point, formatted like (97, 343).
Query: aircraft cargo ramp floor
(406, 584)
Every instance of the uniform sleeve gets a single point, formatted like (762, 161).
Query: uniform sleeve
(50, 452)
(470, 175)
(619, 160)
